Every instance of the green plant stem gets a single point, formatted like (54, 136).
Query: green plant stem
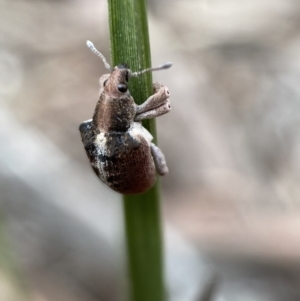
(130, 44)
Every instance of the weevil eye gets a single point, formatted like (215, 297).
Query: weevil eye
(104, 83)
(122, 88)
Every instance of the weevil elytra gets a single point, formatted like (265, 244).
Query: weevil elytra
(119, 148)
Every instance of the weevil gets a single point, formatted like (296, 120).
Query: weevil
(119, 148)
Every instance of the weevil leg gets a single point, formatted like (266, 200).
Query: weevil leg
(156, 105)
(161, 110)
(159, 160)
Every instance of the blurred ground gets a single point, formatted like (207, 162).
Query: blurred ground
(231, 200)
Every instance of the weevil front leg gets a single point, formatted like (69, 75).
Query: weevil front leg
(159, 160)
(156, 105)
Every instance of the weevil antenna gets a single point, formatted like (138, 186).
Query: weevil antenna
(162, 67)
(93, 48)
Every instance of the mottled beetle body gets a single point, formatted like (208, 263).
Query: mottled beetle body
(119, 148)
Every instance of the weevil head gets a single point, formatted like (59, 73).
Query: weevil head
(115, 109)
(115, 84)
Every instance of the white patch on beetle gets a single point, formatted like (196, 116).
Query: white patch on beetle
(100, 138)
(137, 130)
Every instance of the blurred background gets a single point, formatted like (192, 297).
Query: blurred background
(231, 203)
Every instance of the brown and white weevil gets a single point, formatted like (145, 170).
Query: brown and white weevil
(118, 146)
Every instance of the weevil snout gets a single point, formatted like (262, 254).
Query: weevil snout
(117, 81)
